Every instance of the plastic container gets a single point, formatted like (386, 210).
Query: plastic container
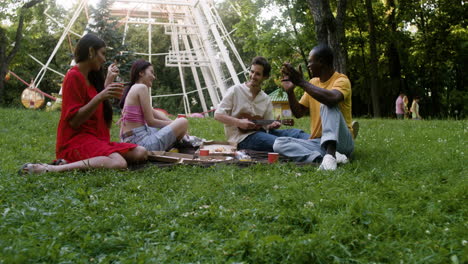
(242, 156)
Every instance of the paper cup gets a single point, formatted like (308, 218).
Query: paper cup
(273, 157)
(119, 83)
(121, 87)
(204, 152)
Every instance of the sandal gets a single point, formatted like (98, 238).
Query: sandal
(31, 168)
(59, 162)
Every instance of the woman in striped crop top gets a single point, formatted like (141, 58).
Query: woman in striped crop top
(140, 123)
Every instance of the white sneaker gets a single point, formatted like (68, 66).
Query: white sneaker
(328, 163)
(341, 158)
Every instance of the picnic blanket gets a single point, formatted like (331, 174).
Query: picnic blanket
(256, 157)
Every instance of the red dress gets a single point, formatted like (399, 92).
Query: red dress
(92, 138)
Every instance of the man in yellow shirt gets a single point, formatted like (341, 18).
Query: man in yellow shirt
(327, 98)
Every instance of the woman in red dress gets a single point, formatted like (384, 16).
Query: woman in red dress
(83, 135)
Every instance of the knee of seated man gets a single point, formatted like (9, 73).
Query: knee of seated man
(280, 143)
(324, 107)
(298, 133)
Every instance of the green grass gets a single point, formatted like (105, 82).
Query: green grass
(403, 199)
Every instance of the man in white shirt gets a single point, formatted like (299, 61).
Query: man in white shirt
(247, 100)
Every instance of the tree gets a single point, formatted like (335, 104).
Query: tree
(288, 36)
(394, 65)
(6, 54)
(330, 30)
(437, 53)
(373, 60)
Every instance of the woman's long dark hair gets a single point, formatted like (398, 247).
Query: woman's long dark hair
(137, 67)
(96, 78)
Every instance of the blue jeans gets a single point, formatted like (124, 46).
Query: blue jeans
(334, 128)
(263, 141)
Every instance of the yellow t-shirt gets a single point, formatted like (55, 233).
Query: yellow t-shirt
(338, 82)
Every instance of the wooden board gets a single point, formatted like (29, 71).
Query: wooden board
(172, 157)
(165, 156)
(207, 159)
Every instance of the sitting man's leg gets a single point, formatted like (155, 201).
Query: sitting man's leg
(301, 150)
(260, 141)
(336, 136)
(292, 132)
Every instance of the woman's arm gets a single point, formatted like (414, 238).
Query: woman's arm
(159, 115)
(111, 91)
(148, 111)
(112, 73)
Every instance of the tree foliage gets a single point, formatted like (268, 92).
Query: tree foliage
(419, 47)
(11, 37)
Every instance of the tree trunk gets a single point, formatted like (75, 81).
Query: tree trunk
(330, 30)
(3, 72)
(362, 43)
(394, 64)
(373, 60)
(3, 65)
(5, 57)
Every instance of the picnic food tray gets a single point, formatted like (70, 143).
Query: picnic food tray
(219, 148)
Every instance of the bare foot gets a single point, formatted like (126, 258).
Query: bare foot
(33, 168)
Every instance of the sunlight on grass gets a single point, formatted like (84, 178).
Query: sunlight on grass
(402, 199)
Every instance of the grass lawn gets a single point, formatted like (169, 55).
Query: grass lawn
(403, 199)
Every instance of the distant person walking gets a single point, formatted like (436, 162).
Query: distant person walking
(415, 109)
(406, 102)
(400, 106)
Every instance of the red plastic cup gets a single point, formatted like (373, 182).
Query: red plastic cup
(204, 152)
(273, 157)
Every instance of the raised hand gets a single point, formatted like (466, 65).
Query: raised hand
(113, 71)
(286, 83)
(293, 75)
(113, 90)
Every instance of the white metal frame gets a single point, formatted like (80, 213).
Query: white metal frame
(198, 39)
